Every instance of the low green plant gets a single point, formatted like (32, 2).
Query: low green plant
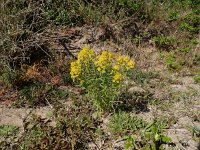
(183, 95)
(123, 123)
(197, 77)
(173, 16)
(130, 142)
(196, 59)
(171, 62)
(59, 15)
(138, 40)
(190, 23)
(100, 133)
(194, 41)
(187, 27)
(101, 76)
(184, 50)
(9, 76)
(164, 42)
(8, 136)
(149, 137)
(132, 5)
(153, 136)
(33, 94)
(7, 130)
(196, 131)
(55, 93)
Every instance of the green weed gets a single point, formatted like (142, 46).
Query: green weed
(123, 123)
(132, 5)
(171, 62)
(9, 76)
(184, 50)
(164, 42)
(196, 131)
(130, 142)
(173, 16)
(187, 27)
(8, 130)
(8, 136)
(154, 136)
(197, 77)
(191, 23)
(150, 136)
(196, 60)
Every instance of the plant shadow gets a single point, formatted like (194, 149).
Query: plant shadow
(136, 101)
(198, 147)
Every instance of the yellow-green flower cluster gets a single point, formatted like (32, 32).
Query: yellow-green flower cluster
(115, 65)
(85, 56)
(75, 69)
(104, 61)
(123, 61)
(118, 77)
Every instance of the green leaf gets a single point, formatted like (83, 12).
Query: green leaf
(6, 130)
(157, 137)
(166, 139)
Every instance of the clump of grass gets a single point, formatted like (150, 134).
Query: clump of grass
(7, 130)
(8, 136)
(171, 62)
(9, 76)
(123, 123)
(173, 16)
(164, 42)
(190, 23)
(197, 77)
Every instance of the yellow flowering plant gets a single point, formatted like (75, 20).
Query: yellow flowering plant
(102, 76)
